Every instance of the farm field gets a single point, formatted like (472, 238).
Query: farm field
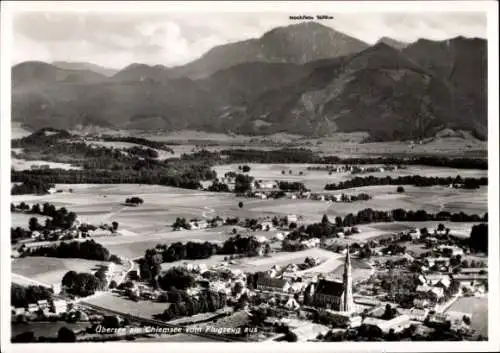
(50, 270)
(149, 224)
(22, 164)
(113, 301)
(22, 219)
(255, 264)
(317, 179)
(477, 307)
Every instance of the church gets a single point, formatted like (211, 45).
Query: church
(336, 295)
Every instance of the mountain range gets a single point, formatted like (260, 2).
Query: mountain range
(305, 79)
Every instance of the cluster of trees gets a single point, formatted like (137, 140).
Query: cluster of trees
(244, 168)
(59, 218)
(134, 200)
(242, 183)
(18, 233)
(240, 245)
(176, 278)
(181, 223)
(142, 152)
(416, 180)
(88, 249)
(478, 240)
(369, 215)
(207, 301)
(399, 287)
(21, 296)
(84, 284)
(217, 186)
(138, 141)
(292, 186)
(142, 175)
(32, 186)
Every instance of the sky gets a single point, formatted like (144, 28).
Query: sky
(116, 40)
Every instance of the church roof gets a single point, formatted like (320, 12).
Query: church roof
(330, 288)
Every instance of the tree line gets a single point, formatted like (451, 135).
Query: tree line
(306, 156)
(21, 296)
(138, 141)
(292, 186)
(368, 215)
(31, 185)
(88, 249)
(206, 301)
(416, 180)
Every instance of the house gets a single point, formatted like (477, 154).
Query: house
(36, 235)
(267, 185)
(437, 261)
(18, 311)
(418, 314)
(59, 306)
(279, 236)
(444, 283)
(415, 234)
(451, 251)
(436, 293)
(268, 284)
(422, 289)
(397, 324)
(292, 304)
(32, 308)
(291, 218)
(421, 303)
(43, 304)
(262, 239)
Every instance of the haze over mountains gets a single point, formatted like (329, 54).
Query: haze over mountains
(306, 79)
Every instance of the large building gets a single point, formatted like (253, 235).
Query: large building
(336, 295)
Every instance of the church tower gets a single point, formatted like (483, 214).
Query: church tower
(347, 300)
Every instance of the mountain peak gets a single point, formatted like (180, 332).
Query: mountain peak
(396, 44)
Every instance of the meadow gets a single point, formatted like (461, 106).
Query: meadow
(142, 308)
(145, 226)
(477, 307)
(22, 164)
(315, 180)
(50, 270)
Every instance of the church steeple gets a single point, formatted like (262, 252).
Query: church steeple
(347, 302)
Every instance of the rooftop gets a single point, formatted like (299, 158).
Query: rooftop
(328, 287)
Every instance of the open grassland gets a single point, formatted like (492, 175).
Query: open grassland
(50, 270)
(22, 219)
(150, 223)
(317, 179)
(22, 164)
(142, 308)
(340, 144)
(477, 307)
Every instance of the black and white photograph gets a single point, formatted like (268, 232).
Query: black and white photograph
(307, 173)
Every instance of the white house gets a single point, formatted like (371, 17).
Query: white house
(291, 218)
(279, 236)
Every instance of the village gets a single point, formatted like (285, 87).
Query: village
(312, 305)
